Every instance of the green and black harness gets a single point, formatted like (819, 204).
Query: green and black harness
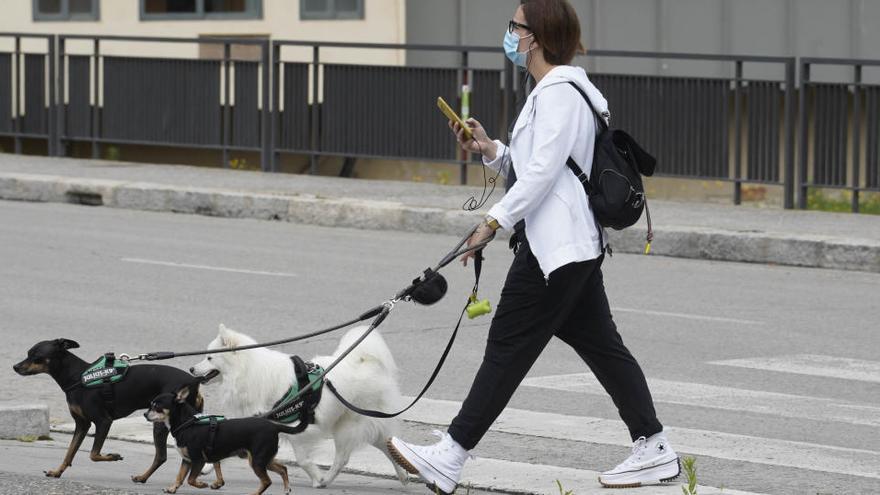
(104, 374)
(296, 407)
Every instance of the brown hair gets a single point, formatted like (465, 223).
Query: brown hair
(556, 27)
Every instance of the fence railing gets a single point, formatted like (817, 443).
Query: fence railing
(377, 111)
(692, 123)
(27, 89)
(728, 127)
(842, 122)
(218, 102)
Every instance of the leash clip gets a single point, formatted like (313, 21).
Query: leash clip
(127, 358)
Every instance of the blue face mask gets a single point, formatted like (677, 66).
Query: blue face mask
(511, 49)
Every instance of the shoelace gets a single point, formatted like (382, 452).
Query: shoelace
(443, 445)
(638, 449)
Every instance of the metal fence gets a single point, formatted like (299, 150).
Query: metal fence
(377, 111)
(219, 103)
(692, 123)
(27, 76)
(834, 119)
(733, 128)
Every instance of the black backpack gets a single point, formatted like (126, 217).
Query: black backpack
(614, 188)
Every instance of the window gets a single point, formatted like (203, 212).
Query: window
(65, 10)
(331, 9)
(201, 9)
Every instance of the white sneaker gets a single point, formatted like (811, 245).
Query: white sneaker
(652, 461)
(439, 464)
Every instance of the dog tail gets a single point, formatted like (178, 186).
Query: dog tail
(372, 350)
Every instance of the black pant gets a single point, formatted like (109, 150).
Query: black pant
(572, 306)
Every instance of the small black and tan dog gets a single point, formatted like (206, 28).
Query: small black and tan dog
(201, 439)
(103, 405)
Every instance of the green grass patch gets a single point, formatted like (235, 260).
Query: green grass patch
(689, 464)
(33, 438)
(817, 199)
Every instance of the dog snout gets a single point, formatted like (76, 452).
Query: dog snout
(20, 368)
(192, 370)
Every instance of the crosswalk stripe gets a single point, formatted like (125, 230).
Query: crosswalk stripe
(813, 365)
(687, 316)
(769, 451)
(726, 398)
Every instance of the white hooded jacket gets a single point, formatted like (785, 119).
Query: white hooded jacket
(555, 123)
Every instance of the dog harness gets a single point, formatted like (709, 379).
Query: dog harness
(287, 410)
(103, 373)
(212, 421)
(107, 369)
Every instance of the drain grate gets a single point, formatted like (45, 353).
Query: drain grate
(84, 198)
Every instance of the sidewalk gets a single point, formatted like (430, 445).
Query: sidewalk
(687, 230)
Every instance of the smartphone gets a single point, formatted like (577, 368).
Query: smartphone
(451, 115)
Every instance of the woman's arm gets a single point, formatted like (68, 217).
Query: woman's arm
(495, 154)
(555, 133)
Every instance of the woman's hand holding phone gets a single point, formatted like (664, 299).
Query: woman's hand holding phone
(479, 144)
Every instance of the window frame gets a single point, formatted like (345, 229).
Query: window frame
(65, 16)
(331, 14)
(253, 10)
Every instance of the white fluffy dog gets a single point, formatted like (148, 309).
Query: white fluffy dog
(250, 382)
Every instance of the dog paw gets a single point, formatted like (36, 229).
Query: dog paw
(217, 485)
(139, 479)
(319, 483)
(198, 484)
(52, 473)
(114, 457)
(170, 489)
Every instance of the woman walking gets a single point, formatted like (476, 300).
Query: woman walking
(554, 286)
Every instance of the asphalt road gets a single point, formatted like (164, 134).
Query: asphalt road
(135, 282)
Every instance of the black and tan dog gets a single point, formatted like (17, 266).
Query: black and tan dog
(205, 439)
(92, 405)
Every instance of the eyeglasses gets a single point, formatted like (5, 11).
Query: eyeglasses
(512, 25)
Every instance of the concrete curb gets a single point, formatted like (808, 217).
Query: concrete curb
(670, 240)
(23, 420)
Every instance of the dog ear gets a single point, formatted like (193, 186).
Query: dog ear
(67, 344)
(227, 337)
(183, 393)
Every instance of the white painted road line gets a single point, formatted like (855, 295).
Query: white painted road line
(768, 451)
(813, 365)
(480, 473)
(687, 316)
(207, 267)
(726, 398)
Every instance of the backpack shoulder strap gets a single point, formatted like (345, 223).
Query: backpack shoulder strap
(575, 168)
(590, 104)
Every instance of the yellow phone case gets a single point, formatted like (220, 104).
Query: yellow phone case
(451, 115)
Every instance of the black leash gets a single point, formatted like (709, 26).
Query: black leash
(457, 251)
(158, 356)
(478, 266)
(375, 312)
(378, 313)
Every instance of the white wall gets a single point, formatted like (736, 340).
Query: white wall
(384, 22)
